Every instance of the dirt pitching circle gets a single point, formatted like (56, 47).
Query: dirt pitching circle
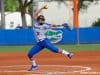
(45, 69)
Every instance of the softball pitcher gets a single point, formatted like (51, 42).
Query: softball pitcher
(39, 28)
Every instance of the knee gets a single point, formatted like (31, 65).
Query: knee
(30, 55)
(56, 50)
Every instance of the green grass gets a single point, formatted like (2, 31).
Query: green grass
(72, 47)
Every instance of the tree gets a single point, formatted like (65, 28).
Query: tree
(11, 5)
(2, 14)
(96, 23)
(20, 5)
(23, 5)
(6, 5)
(83, 4)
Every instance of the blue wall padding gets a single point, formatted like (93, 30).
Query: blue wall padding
(26, 36)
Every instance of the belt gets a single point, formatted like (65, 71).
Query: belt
(40, 40)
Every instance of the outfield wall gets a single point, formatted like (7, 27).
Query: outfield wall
(25, 36)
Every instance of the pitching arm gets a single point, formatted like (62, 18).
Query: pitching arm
(65, 25)
(35, 15)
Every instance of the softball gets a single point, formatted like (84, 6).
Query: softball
(46, 6)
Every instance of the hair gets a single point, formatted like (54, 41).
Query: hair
(40, 17)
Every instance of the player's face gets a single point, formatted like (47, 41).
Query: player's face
(41, 21)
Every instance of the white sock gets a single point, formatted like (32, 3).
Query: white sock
(65, 52)
(34, 63)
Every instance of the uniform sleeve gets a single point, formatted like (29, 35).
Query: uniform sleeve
(47, 25)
